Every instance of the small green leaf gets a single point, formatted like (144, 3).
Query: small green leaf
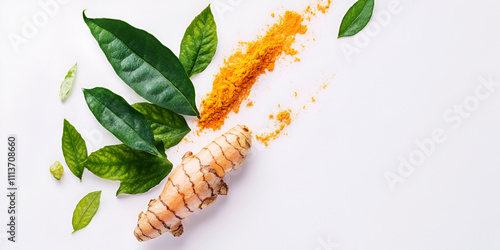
(356, 18)
(199, 43)
(57, 170)
(136, 170)
(167, 126)
(85, 210)
(123, 121)
(67, 83)
(74, 149)
(144, 64)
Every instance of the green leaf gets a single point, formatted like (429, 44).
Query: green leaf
(123, 121)
(136, 170)
(199, 43)
(57, 170)
(85, 210)
(67, 83)
(356, 18)
(167, 126)
(144, 64)
(74, 149)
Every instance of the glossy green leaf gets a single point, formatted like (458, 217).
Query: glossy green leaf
(167, 126)
(57, 170)
(136, 170)
(199, 43)
(85, 210)
(67, 83)
(356, 18)
(119, 118)
(146, 65)
(74, 149)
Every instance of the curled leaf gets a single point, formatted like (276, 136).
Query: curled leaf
(57, 170)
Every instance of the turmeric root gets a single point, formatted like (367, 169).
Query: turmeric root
(194, 184)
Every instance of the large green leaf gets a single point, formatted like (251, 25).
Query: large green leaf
(167, 126)
(85, 210)
(136, 170)
(199, 43)
(123, 121)
(146, 65)
(74, 149)
(356, 18)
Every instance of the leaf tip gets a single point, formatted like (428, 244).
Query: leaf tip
(85, 18)
(119, 191)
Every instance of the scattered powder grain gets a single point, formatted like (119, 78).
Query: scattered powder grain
(324, 8)
(283, 119)
(240, 71)
(284, 116)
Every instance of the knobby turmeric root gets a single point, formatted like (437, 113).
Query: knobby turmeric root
(194, 184)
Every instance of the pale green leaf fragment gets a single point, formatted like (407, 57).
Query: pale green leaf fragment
(85, 210)
(67, 83)
(57, 170)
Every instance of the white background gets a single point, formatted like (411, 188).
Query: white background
(322, 186)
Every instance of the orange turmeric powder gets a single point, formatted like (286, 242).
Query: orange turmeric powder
(240, 71)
